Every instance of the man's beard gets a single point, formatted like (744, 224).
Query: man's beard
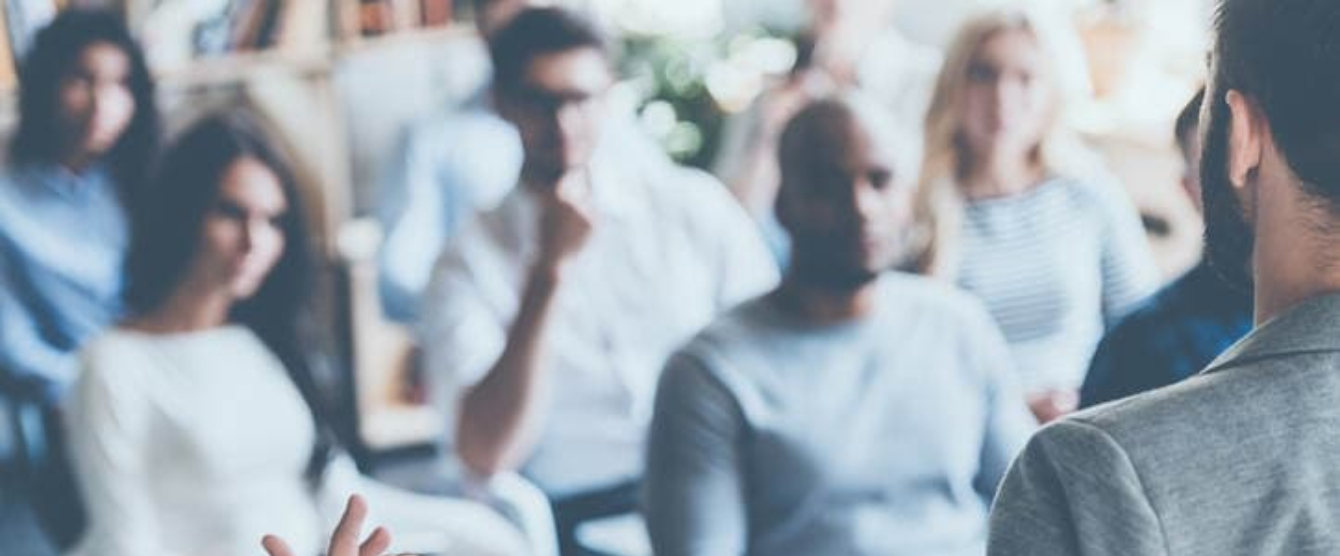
(1229, 239)
(818, 261)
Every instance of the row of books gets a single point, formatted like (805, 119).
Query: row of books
(175, 32)
(379, 17)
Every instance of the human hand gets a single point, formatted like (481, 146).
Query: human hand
(344, 541)
(567, 221)
(1050, 405)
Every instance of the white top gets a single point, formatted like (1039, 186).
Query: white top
(197, 443)
(670, 251)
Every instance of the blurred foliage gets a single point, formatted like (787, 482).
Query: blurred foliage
(688, 88)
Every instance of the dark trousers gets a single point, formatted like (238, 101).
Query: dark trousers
(572, 511)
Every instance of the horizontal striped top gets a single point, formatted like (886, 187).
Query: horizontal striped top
(1055, 266)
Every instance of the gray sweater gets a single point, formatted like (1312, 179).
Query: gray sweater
(1243, 459)
(884, 436)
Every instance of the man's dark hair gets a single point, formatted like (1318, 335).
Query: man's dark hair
(533, 33)
(39, 139)
(1188, 123)
(1285, 55)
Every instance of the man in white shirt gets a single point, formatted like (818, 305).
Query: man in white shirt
(549, 318)
(457, 163)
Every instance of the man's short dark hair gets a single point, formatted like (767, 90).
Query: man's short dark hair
(533, 33)
(1285, 55)
(1188, 124)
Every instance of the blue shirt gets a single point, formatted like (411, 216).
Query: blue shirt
(447, 169)
(63, 239)
(1170, 338)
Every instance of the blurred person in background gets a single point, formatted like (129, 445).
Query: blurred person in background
(849, 44)
(1014, 209)
(1183, 327)
(87, 133)
(852, 410)
(200, 424)
(460, 162)
(549, 318)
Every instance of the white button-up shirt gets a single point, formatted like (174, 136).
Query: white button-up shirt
(670, 250)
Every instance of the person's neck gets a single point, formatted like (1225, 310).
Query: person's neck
(1001, 174)
(1289, 271)
(77, 162)
(189, 309)
(820, 306)
(1293, 255)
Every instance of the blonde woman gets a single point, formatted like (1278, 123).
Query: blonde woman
(1016, 211)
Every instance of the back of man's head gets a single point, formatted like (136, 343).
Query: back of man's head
(533, 33)
(1285, 56)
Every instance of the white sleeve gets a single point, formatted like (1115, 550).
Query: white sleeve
(460, 334)
(108, 431)
(744, 266)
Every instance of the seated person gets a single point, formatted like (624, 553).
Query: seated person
(199, 424)
(852, 410)
(87, 131)
(454, 165)
(1015, 209)
(549, 319)
(1182, 328)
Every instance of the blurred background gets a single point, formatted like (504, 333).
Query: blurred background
(342, 79)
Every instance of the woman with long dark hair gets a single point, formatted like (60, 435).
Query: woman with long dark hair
(87, 133)
(197, 426)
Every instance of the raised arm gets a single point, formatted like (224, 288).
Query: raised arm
(500, 416)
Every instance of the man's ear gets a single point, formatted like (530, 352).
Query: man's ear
(1246, 139)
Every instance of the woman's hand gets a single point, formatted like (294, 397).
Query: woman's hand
(344, 541)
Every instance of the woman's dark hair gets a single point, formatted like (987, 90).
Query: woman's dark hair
(167, 231)
(39, 139)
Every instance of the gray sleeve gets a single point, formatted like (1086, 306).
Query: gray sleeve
(693, 499)
(1074, 492)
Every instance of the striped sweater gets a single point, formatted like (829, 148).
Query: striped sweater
(1055, 266)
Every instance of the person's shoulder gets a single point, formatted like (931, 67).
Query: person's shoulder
(687, 187)
(731, 326)
(118, 355)
(1162, 422)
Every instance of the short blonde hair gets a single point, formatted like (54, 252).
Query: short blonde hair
(939, 198)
